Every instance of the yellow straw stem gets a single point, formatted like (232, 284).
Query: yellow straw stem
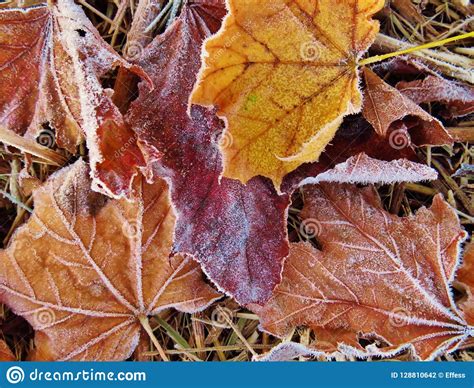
(379, 58)
(146, 325)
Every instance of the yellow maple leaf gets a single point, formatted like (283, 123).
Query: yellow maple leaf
(283, 74)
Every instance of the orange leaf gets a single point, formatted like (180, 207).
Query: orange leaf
(466, 277)
(84, 269)
(51, 62)
(378, 277)
(392, 114)
(5, 352)
(284, 97)
(458, 98)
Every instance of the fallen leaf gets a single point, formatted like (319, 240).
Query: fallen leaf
(413, 13)
(355, 136)
(20, 3)
(391, 114)
(364, 170)
(287, 351)
(284, 99)
(409, 10)
(458, 98)
(237, 232)
(403, 65)
(85, 269)
(52, 60)
(466, 277)
(378, 277)
(465, 171)
(5, 352)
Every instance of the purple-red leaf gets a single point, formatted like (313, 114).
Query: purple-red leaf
(237, 232)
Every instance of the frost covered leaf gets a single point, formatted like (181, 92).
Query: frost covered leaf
(458, 98)
(284, 98)
(84, 269)
(391, 114)
(465, 171)
(364, 169)
(51, 62)
(466, 277)
(287, 351)
(409, 10)
(237, 232)
(355, 136)
(5, 352)
(378, 277)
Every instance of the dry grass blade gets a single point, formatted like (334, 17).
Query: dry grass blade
(453, 65)
(28, 146)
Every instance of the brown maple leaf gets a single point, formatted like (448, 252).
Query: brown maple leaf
(85, 270)
(397, 117)
(466, 277)
(378, 277)
(457, 98)
(5, 352)
(51, 62)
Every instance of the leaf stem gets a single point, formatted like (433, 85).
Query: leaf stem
(379, 58)
(146, 325)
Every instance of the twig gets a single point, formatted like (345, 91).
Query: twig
(100, 14)
(174, 12)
